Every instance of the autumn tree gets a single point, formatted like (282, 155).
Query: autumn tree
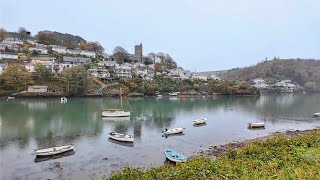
(46, 37)
(15, 79)
(92, 46)
(75, 80)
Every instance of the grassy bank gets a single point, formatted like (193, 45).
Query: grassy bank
(281, 157)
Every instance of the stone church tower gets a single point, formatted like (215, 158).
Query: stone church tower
(138, 52)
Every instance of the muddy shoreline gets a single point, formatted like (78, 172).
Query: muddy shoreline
(219, 150)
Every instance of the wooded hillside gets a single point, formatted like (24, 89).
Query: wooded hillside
(305, 72)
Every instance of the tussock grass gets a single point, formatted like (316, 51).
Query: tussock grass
(276, 158)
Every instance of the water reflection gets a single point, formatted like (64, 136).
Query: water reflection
(127, 144)
(40, 123)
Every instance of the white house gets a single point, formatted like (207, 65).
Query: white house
(58, 68)
(41, 50)
(123, 71)
(199, 76)
(99, 73)
(88, 53)
(38, 89)
(30, 67)
(177, 73)
(140, 69)
(13, 47)
(259, 83)
(59, 49)
(76, 60)
(8, 56)
(286, 84)
(108, 64)
(13, 40)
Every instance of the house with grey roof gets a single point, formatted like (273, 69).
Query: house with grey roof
(76, 60)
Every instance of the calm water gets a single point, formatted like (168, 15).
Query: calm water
(28, 124)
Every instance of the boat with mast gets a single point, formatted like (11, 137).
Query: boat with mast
(116, 112)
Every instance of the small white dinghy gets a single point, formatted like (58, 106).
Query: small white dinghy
(64, 99)
(121, 137)
(54, 150)
(200, 121)
(316, 114)
(173, 131)
(256, 125)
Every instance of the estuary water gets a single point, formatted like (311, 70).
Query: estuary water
(28, 124)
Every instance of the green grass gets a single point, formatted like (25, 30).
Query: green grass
(276, 158)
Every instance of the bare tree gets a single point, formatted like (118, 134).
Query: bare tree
(3, 34)
(23, 33)
(120, 54)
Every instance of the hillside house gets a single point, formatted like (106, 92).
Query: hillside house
(259, 83)
(123, 71)
(40, 49)
(59, 49)
(13, 40)
(38, 89)
(7, 56)
(99, 73)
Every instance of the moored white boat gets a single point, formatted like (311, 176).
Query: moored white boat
(116, 113)
(199, 121)
(175, 156)
(64, 100)
(256, 125)
(316, 114)
(121, 137)
(54, 150)
(173, 94)
(173, 131)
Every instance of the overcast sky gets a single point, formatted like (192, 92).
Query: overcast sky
(199, 34)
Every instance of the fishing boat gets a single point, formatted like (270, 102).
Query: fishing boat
(199, 121)
(316, 114)
(54, 150)
(116, 112)
(175, 156)
(256, 125)
(63, 99)
(173, 94)
(121, 137)
(173, 131)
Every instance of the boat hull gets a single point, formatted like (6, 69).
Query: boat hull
(115, 114)
(121, 137)
(316, 114)
(173, 131)
(200, 121)
(256, 125)
(54, 150)
(174, 156)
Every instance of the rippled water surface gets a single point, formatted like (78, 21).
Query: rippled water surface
(28, 124)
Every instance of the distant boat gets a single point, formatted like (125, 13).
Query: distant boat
(115, 112)
(256, 125)
(10, 97)
(159, 95)
(173, 131)
(173, 94)
(64, 99)
(175, 156)
(121, 137)
(199, 121)
(54, 150)
(316, 114)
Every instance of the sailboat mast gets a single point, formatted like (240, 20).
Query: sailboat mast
(121, 100)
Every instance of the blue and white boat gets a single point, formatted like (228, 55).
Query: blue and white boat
(175, 156)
